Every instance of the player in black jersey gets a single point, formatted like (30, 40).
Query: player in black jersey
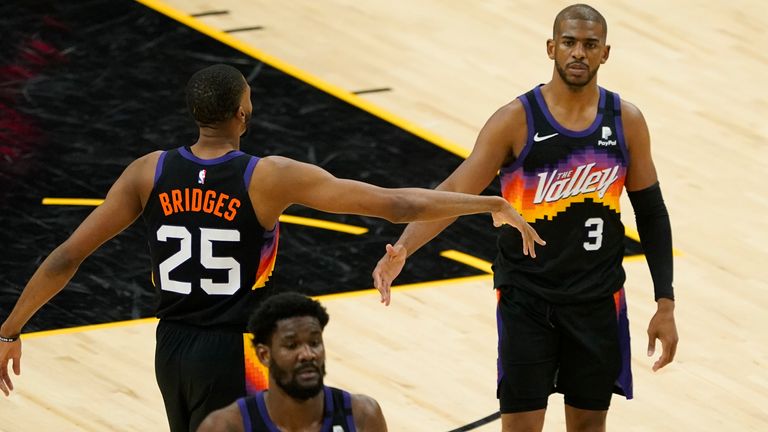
(212, 223)
(288, 337)
(565, 151)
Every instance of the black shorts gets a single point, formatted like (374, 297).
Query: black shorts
(580, 350)
(200, 370)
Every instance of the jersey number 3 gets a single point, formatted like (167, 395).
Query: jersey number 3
(207, 237)
(595, 234)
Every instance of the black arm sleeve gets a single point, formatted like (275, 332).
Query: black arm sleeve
(655, 236)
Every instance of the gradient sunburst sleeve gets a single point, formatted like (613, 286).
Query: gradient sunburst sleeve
(268, 257)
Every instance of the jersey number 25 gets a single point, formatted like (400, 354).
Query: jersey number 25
(207, 237)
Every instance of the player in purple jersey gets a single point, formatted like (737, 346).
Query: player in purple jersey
(192, 197)
(565, 151)
(288, 338)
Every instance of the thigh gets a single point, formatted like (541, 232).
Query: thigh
(213, 374)
(528, 352)
(590, 358)
(170, 340)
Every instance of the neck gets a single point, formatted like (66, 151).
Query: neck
(290, 414)
(572, 96)
(213, 143)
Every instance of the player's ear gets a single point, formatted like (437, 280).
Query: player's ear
(606, 53)
(264, 355)
(551, 49)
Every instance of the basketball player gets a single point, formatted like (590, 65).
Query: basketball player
(212, 223)
(288, 337)
(565, 151)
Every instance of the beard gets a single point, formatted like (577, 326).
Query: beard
(290, 385)
(575, 83)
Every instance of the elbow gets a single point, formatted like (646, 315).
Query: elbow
(404, 210)
(62, 261)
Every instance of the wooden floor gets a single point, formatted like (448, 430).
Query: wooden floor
(697, 70)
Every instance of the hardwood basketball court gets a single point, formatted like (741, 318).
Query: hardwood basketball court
(695, 69)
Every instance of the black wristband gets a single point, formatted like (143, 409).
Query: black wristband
(655, 236)
(9, 339)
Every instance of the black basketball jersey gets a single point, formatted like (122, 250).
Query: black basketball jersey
(567, 185)
(209, 252)
(337, 413)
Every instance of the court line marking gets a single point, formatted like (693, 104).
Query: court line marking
(290, 219)
(302, 75)
(318, 83)
(324, 297)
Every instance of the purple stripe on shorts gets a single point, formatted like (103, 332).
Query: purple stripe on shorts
(499, 368)
(624, 381)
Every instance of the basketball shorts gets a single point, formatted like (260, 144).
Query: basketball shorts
(200, 370)
(579, 350)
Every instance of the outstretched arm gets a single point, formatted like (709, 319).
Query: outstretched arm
(282, 182)
(655, 232)
(121, 207)
(502, 138)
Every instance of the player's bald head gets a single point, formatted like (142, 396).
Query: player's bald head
(582, 12)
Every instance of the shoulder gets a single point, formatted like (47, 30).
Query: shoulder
(276, 162)
(227, 419)
(146, 163)
(511, 114)
(631, 114)
(367, 414)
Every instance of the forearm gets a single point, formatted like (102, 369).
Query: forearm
(52, 275)
(421, 205)
(417, 234)
(656, 238)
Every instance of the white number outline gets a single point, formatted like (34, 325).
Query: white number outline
(594, 233)
(207, 259)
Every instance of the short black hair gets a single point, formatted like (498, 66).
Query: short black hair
(579, 11)
(263, 321)
(214, 93)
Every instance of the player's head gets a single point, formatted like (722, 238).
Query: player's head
(218, 94)
(578, 45)
(288, 335)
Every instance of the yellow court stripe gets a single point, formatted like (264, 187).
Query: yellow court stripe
(73, 201)
(302, 75)
(467, 259)
(79, 329)
(419, 285)
(296, 220)
(327, 225)
(407, 287)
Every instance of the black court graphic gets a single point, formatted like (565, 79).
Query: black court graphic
(86, 87)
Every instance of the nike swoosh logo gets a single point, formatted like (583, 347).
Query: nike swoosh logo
(537, 138)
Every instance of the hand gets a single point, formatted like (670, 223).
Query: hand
(387, 269)
(9, 351)
(663, 328)
(508, 215)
